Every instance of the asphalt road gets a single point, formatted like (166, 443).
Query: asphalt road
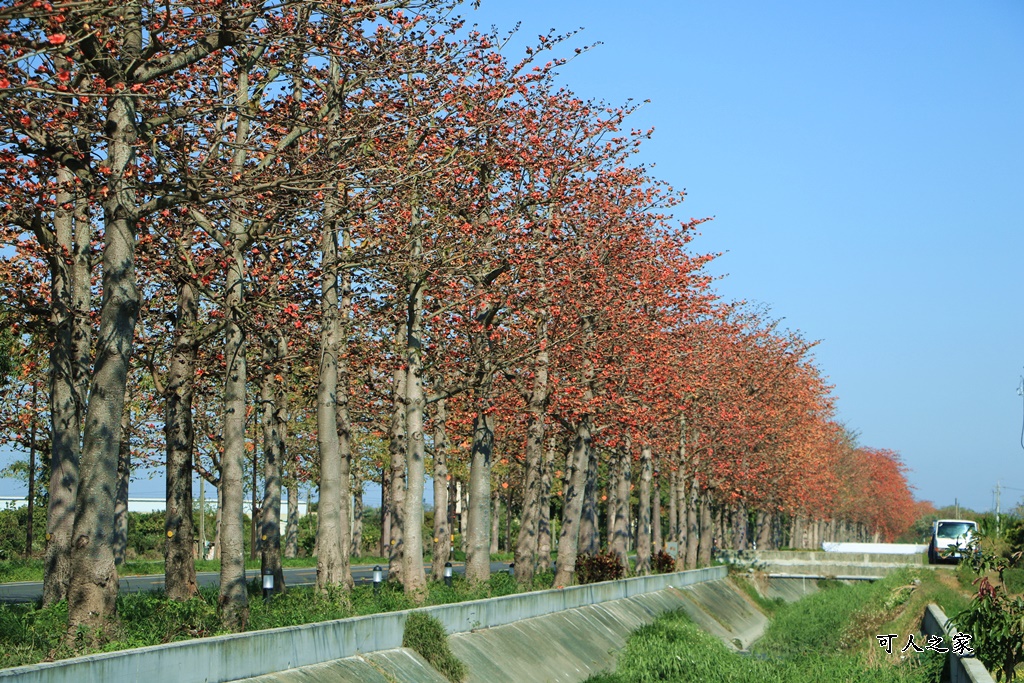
(29, 591)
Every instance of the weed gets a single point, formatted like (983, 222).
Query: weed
(426, 635)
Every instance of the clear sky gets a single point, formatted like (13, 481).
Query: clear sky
(864, 162)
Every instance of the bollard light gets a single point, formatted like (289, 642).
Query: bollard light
(268, 586)
(512, 569)
(448, 573)
(378, 577)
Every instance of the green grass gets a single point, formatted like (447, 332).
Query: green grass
(807, 641)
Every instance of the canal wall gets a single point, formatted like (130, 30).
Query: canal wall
(247, 655)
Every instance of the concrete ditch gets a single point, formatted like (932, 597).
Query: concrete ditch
(557, 635)
(248, 655)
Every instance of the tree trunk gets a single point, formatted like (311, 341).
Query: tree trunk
(589, 537)
(572, 509)
(179, 434)
(68, 380)
(442, 529)
(291, 534)
(398, 450)
(673, 518)
(764, 530)
(385, 512)
(495, 520)
(330, 560)
(643, 534)
(611, 500)
(233, 600)
(706, 530)
(692, 529)
(93, 587)
(544, 516)
(529, 522)
(464, 515)
(413, 577)
(217, 519)
(357, 517)
(620, 526)
(124, 474)
(275, 423)
(343, 417)
(478, 558)
(656, 539)
(740, 523)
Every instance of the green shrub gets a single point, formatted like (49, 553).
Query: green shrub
(600, 567)
(14, 524)
(426, 635)
(663, 563)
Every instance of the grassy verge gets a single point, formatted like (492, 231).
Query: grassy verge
(828, 636)
(29, 634)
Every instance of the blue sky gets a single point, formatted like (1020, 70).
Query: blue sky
(864, 162)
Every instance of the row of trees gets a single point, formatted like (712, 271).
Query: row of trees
(361, 224)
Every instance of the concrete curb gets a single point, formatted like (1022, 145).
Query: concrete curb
(245, 655)
(961, 669)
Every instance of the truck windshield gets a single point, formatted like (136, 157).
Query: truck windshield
(954, 529)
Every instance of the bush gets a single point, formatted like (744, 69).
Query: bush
(426, 635)
(663, 563)
(600, 567)
(14, 524)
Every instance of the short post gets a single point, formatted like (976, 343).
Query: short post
(378, 577)
(448, 574)
(268, 586)
(512, 569)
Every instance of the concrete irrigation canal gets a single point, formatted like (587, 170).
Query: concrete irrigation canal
(554, 635)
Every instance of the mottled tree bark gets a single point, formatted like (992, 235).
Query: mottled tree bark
(68, 379)
(291, 534)
(589, 531)
(706, 530)
(495, 519)
(330, 563)
(124, 473)
(93, 587)
(179, 435)
(692, 528)
(398, 451)
(233, 601)
(478, 558)
(357, 517)
(620, 536)
(643, 535)
(442, 529)
(275, 424)
(656, 515)
(544, 516)
(572, 509)
(526, 543)
(673, 518)
(413, 576)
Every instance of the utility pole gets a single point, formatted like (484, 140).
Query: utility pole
(997, 509)
(202, 518)
(31, 475)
